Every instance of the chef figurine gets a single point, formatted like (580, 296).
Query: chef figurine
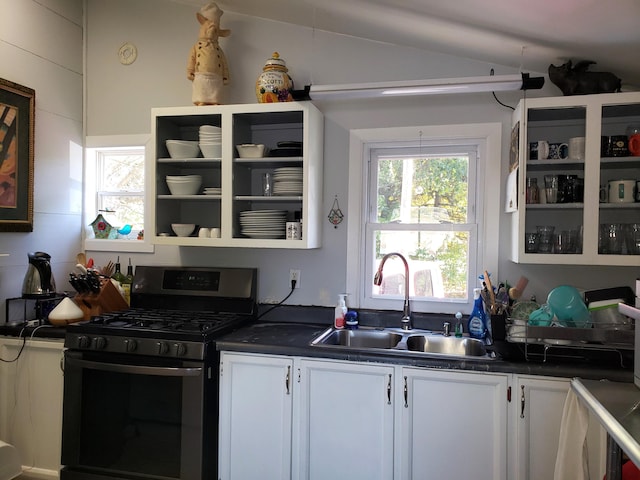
(274, 83)
(207, 66)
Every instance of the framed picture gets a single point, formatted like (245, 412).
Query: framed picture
(17, 112)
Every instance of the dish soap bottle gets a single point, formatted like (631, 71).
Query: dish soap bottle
(477, 319)
(340, 312)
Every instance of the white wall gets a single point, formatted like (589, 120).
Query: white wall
(41, 48)
(119, 99)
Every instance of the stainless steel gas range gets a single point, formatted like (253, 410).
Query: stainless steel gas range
(141, 385)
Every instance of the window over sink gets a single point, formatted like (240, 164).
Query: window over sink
(427, 193)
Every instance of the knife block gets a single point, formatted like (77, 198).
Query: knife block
(107, 300)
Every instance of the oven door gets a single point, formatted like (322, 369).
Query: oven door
(129, 418)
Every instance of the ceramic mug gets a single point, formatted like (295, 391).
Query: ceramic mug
(294, 231)
(576, 148)
(539, 150)
(558, 151)
(634, 144)
(621, 191)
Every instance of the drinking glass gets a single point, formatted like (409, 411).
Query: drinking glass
(551, 188)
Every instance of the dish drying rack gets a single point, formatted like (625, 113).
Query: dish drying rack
(571, 342)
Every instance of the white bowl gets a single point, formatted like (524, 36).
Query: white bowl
(182, 187)
(184, 178)
(251, 150)
(182, 149)
(211, 150)
(183, 229)
(210, 129)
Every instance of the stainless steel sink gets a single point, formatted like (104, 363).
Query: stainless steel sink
(396, 341)
(468, 347)
(360, 338)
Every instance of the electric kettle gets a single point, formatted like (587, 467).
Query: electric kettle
(38, 281)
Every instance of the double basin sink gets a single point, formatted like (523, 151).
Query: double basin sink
(395, 340)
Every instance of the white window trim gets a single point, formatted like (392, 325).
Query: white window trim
(105, 245)
(488, 173)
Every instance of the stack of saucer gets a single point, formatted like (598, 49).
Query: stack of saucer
(287, 181)
(263, 223)
(210, 141)
(212, 190)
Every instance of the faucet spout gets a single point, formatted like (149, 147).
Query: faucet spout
(405, 323)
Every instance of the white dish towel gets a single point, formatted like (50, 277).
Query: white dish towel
(10, 466)
(572, 460)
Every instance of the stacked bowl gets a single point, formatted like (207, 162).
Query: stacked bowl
(182, 149)
(210, 141)
(184, 184)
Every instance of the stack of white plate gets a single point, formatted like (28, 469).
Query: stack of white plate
(210, 141)
(263, 223)
(212, 190)
(287, 181)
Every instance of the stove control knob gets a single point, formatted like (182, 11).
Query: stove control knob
(163, 348)
(181, 349)
(83, 342)
(99, 343)
(130, 345)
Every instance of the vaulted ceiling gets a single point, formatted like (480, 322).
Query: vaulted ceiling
(525, 34)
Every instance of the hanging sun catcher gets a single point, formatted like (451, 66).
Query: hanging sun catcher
(335, 214)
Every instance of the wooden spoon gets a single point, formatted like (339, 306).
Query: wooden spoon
(81, 258)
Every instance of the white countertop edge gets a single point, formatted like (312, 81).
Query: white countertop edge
(587, 391)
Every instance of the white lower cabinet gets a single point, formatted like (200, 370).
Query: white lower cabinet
(452, 425)
(535, 426)
(340, 419)
(345, 421)
(255, 417)
(31, 389)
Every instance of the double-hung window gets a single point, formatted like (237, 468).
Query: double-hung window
(426, 198)
(114, 186)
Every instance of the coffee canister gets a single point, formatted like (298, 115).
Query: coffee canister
(621, 191)
(274, 83)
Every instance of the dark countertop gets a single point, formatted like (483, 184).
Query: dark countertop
(293, 339)
(36, 331)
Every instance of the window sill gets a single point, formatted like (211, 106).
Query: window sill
(106, 245)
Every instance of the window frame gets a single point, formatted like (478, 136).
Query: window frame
(359, 270)
(90, 191)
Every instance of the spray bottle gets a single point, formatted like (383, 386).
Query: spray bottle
(340, 311)
(478, 318)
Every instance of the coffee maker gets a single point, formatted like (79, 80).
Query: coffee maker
(38, 281)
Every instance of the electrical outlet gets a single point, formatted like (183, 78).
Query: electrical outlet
(294, 275)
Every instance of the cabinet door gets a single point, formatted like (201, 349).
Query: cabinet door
(31, 402)
(591, 225)
(255, 417)
(346, 421)
(539, 403)
(453, 425)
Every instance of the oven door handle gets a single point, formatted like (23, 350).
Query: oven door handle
(136, 369)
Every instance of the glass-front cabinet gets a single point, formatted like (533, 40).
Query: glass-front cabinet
(257, 170)
(574, 187)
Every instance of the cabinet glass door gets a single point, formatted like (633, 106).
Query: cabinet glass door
(555, 174)
(619, 207)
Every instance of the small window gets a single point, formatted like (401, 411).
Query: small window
(120, 181)
(114, 184)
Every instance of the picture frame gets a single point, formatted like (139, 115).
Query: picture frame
(17, 121)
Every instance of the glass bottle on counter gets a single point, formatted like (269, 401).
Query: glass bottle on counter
(127, 283)
(533, 193)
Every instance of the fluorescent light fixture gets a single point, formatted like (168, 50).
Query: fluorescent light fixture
(492, 83)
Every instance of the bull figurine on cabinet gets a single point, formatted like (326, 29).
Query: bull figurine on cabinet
(578, 81)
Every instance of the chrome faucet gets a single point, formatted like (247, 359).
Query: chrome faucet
(405, 323)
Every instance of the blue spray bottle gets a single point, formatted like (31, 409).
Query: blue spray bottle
(478, 318)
